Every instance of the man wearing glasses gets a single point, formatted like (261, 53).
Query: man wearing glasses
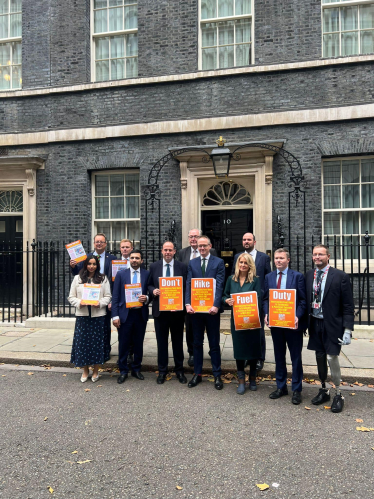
(184, 256)
(207, 266)
(100, 243)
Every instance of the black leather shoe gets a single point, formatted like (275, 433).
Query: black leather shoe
(259, 365)
(278, 393)
(130, 359)
(181, 378)
(190, 361)
(218, 383)
(196, 379)
(338, 403)
(137, 375)
(323, 396)
(122, 378)
(160, 379)
(296, 398)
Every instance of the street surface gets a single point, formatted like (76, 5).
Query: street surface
(141, 440)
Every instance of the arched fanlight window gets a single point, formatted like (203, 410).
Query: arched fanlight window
(226, 194)
(11, 201)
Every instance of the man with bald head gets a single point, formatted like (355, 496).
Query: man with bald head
(262, 262)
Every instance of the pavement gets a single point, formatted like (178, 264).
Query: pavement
(62, 439)
(37, 346)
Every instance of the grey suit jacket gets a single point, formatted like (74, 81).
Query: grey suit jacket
(184, 255)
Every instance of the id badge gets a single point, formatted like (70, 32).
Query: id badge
(316, 305)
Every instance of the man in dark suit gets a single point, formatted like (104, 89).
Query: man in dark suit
(100, 243)
(286, 278)
(262, 262)
(131, 322)
(206, 266)
(184, 256)
(168, 321)
(330, 321)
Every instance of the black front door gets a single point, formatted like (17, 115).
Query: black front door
(11, 260)
(225, 228)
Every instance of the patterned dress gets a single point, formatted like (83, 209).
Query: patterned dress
(89, 346)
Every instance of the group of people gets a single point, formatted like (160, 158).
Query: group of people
(324, 307)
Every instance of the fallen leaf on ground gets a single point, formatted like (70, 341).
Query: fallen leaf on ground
(45, 419)
(226, 332)
(75, 452)
(262, 486)
(204, 375)
(99, 385)
(362, 428)
(64, 374)
(50, 490)
(127, 390)
(352, 394)
(211, 379)
(178, 487)
(3, 375)
(344, 383)
(372, 448)
(359, 420)
(87, 389)
(307, 408)
(168, 377)
(226, 380)
(370, 386)
(84, 462)
(327, 407)
(30, 374)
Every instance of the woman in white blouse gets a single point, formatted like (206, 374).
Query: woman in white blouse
(88, 344)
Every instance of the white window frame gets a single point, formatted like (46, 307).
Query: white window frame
(339, 261)
(222, 19)
(93, 204)
(12, 39)
(103, 35)
(339, 4)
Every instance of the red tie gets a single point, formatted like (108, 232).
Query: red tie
(279, 280)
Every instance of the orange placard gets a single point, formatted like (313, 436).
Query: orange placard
(118, 265)
(76, 251)
(90, 294)
(132, 292)
(202, 294)
(246, 314)
(171, 297)
(282, 308)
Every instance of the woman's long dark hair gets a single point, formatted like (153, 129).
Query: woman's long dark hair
(83, 273)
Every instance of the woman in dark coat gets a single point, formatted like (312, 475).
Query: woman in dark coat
(246, 343)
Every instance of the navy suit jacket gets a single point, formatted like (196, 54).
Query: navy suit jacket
(215, 269)
(262, 266)
(155, 270)
(107, 266)
(119, 297)
(295, 280)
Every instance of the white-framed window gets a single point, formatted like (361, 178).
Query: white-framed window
(10, 44)
(226, 33)
(114, 30)
(348, 27)
(348, 203)
(116, 205)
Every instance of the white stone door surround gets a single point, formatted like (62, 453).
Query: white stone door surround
(255, 162)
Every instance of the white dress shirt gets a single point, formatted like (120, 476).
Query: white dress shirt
(206, 260)
(194, 253)
(164, 268)
(102, 261)
(253, 254)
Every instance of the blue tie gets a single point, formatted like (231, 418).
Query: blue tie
(167, 270)
(135, 277)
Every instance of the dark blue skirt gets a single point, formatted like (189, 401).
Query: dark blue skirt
(89, 342)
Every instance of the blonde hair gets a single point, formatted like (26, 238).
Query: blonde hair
(251, 271)
(126, 241)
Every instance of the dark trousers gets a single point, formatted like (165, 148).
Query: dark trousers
(210, 323)
(189, 334)
(133, 329)
(107, 330)
(173, 321)
(282, 338)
